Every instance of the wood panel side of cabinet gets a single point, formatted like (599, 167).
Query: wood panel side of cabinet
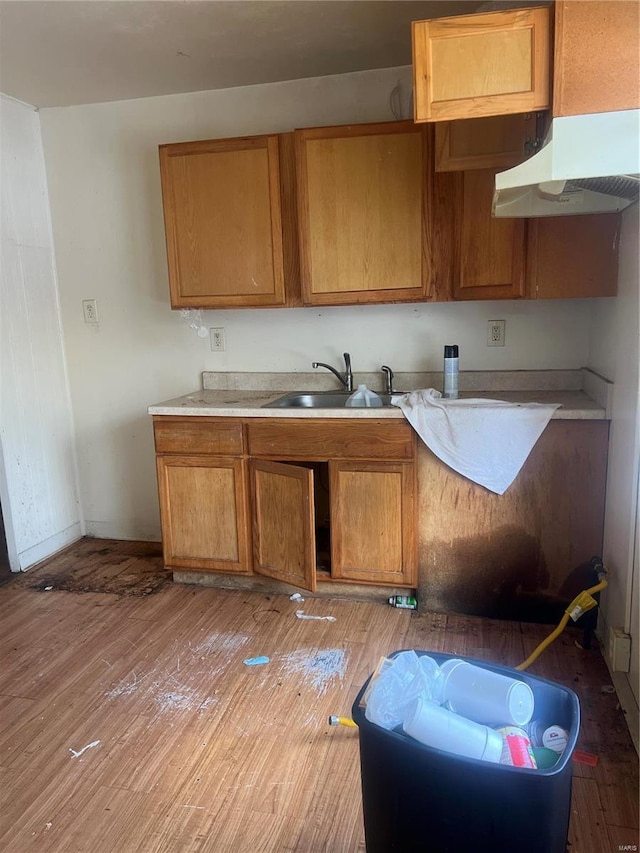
(223, 222)
(486, 64)
(289, 218)
(597, 57)
(573, 256)
(489, 254)
(517, 555)
(373, 522)
(440, 230)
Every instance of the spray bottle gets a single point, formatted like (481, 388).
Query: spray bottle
(451, 372)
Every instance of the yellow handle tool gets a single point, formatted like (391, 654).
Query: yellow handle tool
(341, 721)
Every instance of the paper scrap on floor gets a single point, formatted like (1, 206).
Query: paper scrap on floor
(487, 441)
(302, 615)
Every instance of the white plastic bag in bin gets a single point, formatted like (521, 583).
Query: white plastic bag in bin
(399, 685)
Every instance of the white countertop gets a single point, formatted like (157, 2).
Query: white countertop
(574, 405)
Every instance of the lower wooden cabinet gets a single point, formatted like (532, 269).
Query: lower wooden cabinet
(523, 555)
(373, 522)
(283, 523)
(203, 512)
(350, 497)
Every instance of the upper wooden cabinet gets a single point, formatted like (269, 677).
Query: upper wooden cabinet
(596, 56)
(486, 64)
(496, 63)
(493, 142)
(230, 237)
(559, 257)
(364, 196)
(573, 256)
(371, 221)
(489, 260)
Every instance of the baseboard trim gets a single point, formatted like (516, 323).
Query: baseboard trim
(620, 681)
(50, 546)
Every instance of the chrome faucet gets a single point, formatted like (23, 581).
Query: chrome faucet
(388, 381)
(347, 379)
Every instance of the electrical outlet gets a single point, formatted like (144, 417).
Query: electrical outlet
(217, 340)
(90, 311)
(495, 333)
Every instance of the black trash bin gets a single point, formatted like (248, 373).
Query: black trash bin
(417, 799)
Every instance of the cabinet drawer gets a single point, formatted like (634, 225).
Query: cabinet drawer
(197, 435)
(330, 439)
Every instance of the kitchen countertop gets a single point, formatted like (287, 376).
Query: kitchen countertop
(575, 405)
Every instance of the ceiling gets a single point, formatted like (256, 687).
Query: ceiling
(63, 52)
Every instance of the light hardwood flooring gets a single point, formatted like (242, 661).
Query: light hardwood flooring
(130, 723)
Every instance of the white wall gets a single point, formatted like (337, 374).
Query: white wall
(615, 352)
(38, 478)
(104, 184)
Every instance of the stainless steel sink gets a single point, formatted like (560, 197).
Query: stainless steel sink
(316, 400)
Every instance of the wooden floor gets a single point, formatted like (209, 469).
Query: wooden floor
(130, 723)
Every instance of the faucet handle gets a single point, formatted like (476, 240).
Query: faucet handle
(388, 378)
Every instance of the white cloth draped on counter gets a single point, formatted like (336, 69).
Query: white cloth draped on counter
(487, 441)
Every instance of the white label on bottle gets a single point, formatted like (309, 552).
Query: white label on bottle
(451, 378)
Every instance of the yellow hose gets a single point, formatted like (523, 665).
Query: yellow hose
(581, 603)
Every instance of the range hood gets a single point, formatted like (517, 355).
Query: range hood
(588, 164)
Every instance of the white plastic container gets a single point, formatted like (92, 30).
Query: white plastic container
(555, 738)
(435, 726)
(485, 696)
(363, 398)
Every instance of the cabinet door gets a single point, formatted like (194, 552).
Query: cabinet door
(573, 256)
(283, 523)
(203, 509)
(487, 64)
(494, 142)
(363, 191)
(223, 222)
(489, 260)
(373, 522)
